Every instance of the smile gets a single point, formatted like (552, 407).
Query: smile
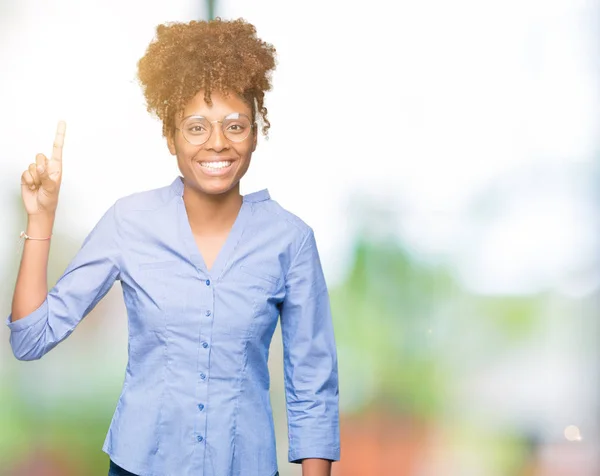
(215, 168)
(216, 165)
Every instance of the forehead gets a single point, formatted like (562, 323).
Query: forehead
(221, 106)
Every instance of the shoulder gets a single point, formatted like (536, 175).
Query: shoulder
(277, 224)
(146, 200)
(141, 209)
(269, 212)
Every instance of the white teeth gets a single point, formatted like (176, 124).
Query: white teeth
(215, 165)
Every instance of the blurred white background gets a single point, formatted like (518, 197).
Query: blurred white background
(471, 125)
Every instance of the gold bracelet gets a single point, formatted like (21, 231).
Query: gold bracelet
(24, 236)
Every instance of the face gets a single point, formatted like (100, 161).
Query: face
(216, 166)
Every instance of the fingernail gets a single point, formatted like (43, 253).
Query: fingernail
(40, 169)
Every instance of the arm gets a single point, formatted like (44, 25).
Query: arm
(310, 364)
(32, 279)
(40, 186)
(40, 320)
(89, 276)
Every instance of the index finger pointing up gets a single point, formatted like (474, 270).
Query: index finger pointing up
(59, 140)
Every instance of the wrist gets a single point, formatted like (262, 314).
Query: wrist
(40, 225)
(316, 467)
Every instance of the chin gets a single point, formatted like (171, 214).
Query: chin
(209, 188)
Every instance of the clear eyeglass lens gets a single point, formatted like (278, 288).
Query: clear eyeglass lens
(236, 127)
(197, 130)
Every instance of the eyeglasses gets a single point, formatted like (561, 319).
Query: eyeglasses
(197, 130)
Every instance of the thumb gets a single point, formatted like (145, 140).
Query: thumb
(48, 184)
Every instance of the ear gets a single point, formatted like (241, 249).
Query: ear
(171, 143)
(255, 138)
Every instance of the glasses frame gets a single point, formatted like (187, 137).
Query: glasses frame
(252, 126)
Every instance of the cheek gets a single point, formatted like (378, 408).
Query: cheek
(185, 152)
(245, 150)
(246, 157)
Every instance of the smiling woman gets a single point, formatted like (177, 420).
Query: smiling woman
(214, 159)
(206, 273)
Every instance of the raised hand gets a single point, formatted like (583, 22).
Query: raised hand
(40, 183)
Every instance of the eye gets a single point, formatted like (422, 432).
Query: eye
(236, 128)
(196, 129)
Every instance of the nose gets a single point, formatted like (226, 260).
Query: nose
(217, 140)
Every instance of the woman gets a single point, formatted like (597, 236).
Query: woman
(205, 273)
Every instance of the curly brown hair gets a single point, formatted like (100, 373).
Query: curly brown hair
(216, 55)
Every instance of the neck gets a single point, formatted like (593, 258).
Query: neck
(211, 214)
